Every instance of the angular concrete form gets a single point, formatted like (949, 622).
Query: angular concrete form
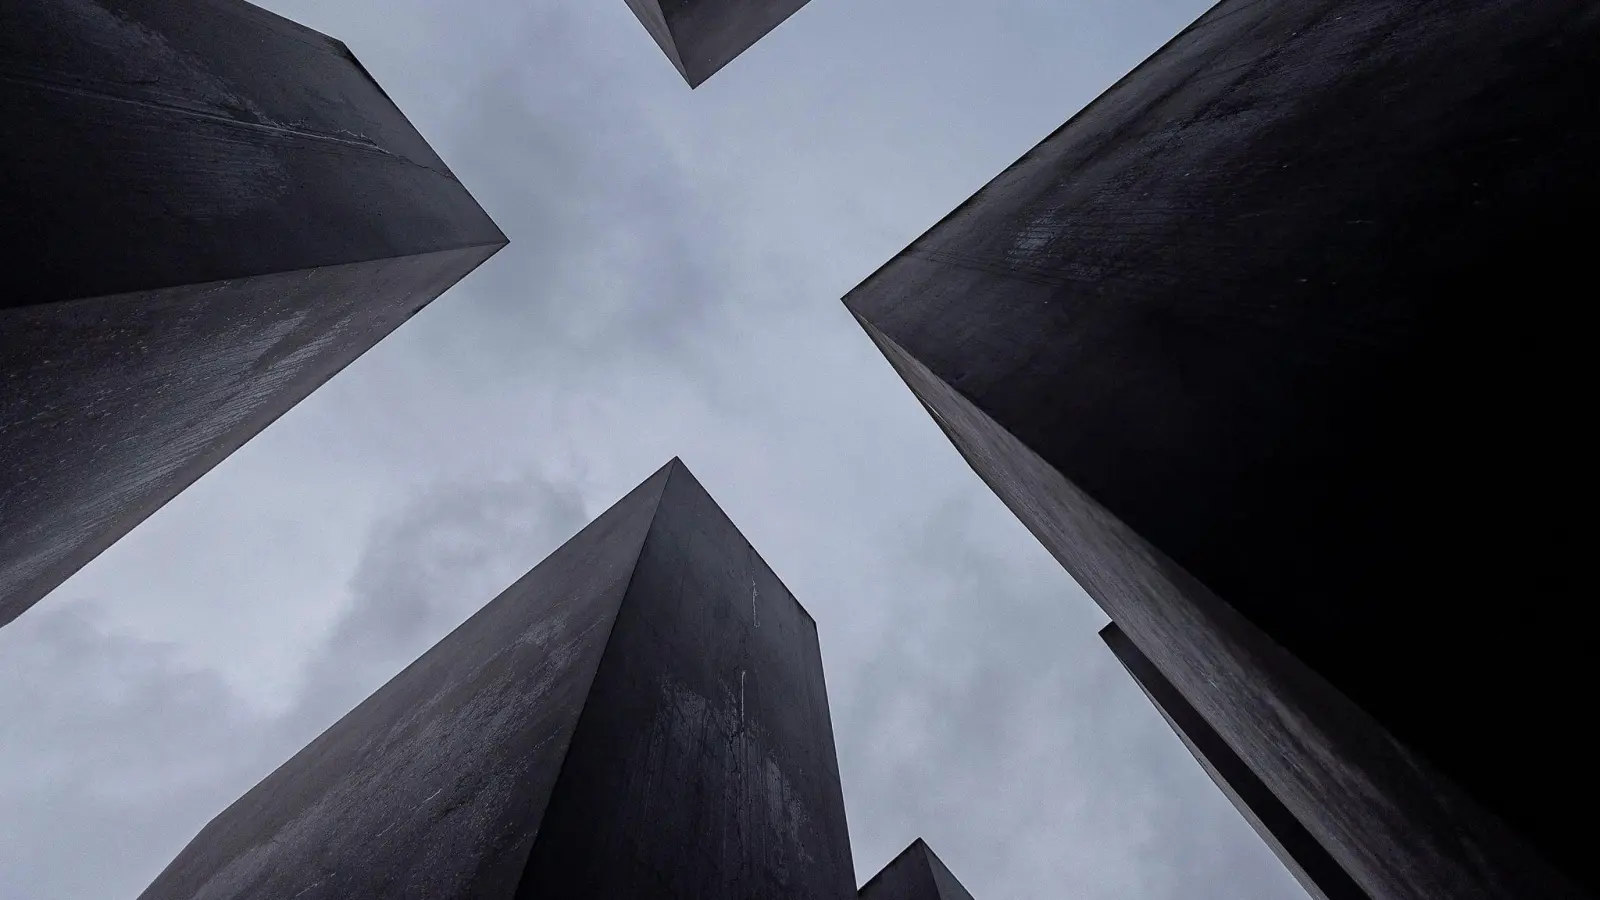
(1311, 865)
(702, 36)
(206, 212)
(916, 874)
(1271, 346)
(642, 715)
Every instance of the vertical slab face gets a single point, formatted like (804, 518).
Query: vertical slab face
(906, 877)
(113, 405)
(155, 144)
(434, 787)
(702, 36)
(704, 765)
(1294, 846)
(916, 874)
(1228, 334)
(949, 887)
(209, 211)
(1390, 819)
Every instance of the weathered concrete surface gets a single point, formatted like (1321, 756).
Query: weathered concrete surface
(434, 787)
(207, 212)
(704, 764)
(916, 874)
(1281, 319)
(702, 36)
(1294, 846)
(643, 714)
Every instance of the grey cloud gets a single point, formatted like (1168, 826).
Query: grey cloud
(127, 751)
(108, 742)
(618, 253)
(988, 719)
(425, 571)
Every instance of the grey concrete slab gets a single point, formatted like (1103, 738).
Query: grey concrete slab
(916, 874)
(1312, 866)
(643, 714)
(699, 37)
(208, 211)
(1270, 345)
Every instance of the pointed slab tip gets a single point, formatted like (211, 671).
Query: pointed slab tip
(206, 245)
(682, 492)
(699, 37)
(642, 714)
(916, 874)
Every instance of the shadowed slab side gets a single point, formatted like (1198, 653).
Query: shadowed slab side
(209, 211)
(1270, 347)
(699, 37)
(643, 714)
(1294, 846)
(704, 764)
(916, 874)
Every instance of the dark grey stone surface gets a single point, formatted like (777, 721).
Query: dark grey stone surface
(1270, 345)
(1294, 846)
(916, 874)
(702, 36)
(207, 211)
(643, 714)
(704, 765)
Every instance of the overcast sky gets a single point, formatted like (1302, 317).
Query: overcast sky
(672, 288)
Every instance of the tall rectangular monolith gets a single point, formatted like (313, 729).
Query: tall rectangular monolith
(1309, 862)
(641, 715)
(207, 211)
(916, 874)
(699, 37)
(1271, 346)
